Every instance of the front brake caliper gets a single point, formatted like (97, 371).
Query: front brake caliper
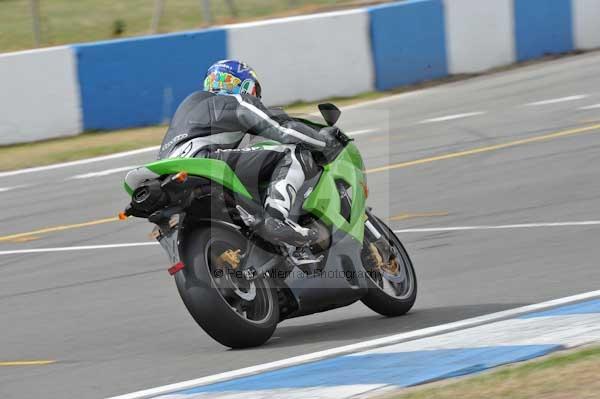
(391, 266)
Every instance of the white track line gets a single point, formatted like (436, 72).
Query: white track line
(79, 248)
(126, 168)
(500, 227)
(417, 230)
(105, 158)
(4, 189)
(557, 100)
(383, 100)
(101, 173)
(451, 117)
(393, 339)
(80, 162)
(595, 106)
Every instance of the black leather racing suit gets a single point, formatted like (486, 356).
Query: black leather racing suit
(212, 126)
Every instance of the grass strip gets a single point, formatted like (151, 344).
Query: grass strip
(570, 375)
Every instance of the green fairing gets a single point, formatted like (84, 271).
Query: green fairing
(324, 202)
(127, 188)
(213, 169)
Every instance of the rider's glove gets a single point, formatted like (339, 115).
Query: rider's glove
(333, 145)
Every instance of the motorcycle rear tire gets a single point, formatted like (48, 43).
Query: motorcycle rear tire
(207, 305)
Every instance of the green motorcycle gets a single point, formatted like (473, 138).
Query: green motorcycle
(236, 285)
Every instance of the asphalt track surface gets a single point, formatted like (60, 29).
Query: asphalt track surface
(113, 321)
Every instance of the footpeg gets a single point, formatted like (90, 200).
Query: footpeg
(252, 273)
(302, 256)
(248, 219)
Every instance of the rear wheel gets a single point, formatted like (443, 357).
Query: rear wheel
(392, 281)
(233, 311)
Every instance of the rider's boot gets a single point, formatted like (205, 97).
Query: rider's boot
(283, 230)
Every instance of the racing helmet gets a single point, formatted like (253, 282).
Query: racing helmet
(232, 77)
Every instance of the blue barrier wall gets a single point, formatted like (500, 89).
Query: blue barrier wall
(408, 42)
(137, 82)
(542, 27)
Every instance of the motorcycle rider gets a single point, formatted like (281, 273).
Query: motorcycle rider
(212, 123)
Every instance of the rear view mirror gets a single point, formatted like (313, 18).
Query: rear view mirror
(330, 113)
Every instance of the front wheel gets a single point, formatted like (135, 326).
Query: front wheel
(233, 311)
(392, 282)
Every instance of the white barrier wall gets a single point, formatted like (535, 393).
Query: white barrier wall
(586, 24)
(307, 58)
(39, 95)
(479, 34)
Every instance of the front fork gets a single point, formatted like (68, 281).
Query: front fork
(370, 230)
(382, 250)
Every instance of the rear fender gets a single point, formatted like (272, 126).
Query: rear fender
(213, 169)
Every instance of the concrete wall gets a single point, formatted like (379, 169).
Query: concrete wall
(39, 95)
(586, 23)
(307, 58)
(408, 42)
(140, 81)
(542, 27)
(479, 34)
(136, 82)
